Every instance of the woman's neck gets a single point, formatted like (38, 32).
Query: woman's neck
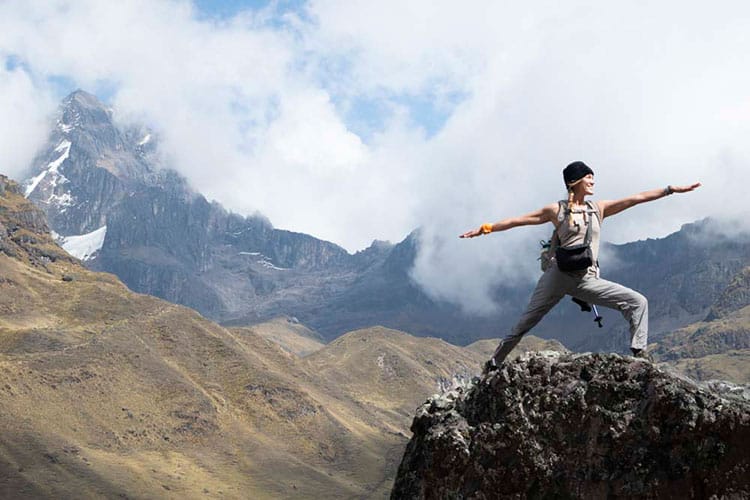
(579, 199)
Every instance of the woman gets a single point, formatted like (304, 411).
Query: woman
(577, 223)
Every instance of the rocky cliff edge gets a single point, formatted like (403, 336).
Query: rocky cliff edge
(553, 425)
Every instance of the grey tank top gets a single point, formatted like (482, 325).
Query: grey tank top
(575, 234)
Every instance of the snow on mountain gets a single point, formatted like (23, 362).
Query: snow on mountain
(84, 246)
(64, 127)
(52, 169)
(264, 261)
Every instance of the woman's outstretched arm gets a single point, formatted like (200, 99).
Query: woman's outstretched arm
(612, 207)
(544, 214)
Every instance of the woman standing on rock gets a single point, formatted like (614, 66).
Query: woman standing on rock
(574, 266)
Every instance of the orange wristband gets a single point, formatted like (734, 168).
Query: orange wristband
(486, 228)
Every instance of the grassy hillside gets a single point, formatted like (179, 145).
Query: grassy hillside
(107, 393)
(716, 349)
(288, 333)
(389, 373)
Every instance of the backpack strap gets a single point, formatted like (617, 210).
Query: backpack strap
(562, 211)
(594, 208)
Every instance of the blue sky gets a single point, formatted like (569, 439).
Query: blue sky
(228, 8)
(223, 9)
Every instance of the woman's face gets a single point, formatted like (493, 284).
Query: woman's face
(586, 185)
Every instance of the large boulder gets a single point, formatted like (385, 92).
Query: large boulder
(552, 425)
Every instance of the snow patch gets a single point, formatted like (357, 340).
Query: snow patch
(64, 145)
(33, 183)
(84, 246)
(62, 200)
(268, 265)
(55, 176)
(264, 261)
(64, 127)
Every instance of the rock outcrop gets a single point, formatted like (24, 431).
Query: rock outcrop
(734, 297)
(24, 234)
(579, 426)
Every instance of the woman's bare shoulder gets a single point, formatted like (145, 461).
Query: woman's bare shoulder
(552, 211)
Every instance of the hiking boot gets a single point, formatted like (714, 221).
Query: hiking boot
(642, 354)
(490, 366)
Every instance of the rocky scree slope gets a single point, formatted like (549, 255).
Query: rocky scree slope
(578, 426)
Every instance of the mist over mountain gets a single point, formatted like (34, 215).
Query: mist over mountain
(114, 202)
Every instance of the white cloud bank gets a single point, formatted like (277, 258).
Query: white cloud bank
(258, 111)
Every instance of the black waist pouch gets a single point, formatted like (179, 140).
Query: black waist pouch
(575, 258)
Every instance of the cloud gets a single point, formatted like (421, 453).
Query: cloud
(27, 113)
(647, 100)
(261, 112)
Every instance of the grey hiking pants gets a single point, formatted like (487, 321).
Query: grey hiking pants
(555, 284)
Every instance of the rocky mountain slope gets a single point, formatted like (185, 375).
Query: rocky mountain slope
(710, 350)
(683, 275)
(108, 192)
(719, 346)
(578, 426)
(105, 393)
(105, 188)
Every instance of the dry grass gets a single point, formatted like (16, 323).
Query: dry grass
(292, 336)
(718, 349)
(106, 392)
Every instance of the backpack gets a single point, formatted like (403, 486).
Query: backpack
(550, 246)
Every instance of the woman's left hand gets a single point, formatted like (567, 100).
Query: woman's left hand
(685, 189)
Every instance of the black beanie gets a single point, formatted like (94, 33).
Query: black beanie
(575, 171)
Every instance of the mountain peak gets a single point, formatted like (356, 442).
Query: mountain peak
(82, 98)
(89, 165)
(83, 111)
(578, 426)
